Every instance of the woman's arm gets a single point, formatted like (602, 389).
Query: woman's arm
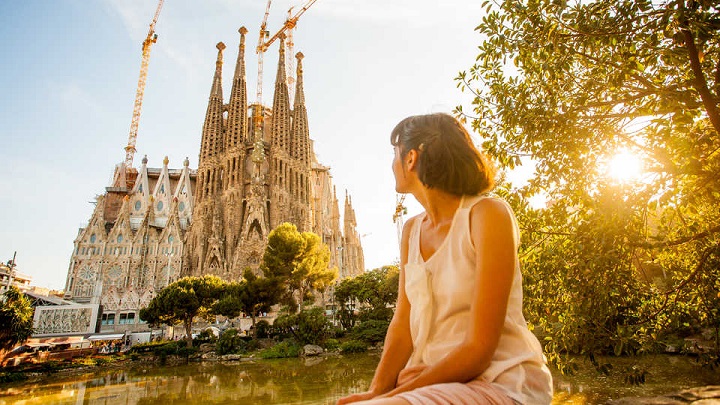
(493, 234)
(398, 342)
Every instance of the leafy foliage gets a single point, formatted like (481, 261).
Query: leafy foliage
(16, 316)
(284, 349)
(230, 342)
(610, 266)
(371, 331)
(310, 326)
(182, 301)
(353, 346)
(372, 292)
(252, 295)
(300, 260)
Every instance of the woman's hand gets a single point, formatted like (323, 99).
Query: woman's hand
(363, 396)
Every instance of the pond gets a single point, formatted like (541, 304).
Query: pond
(314, 381)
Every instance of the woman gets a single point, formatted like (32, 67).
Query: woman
(458, 335)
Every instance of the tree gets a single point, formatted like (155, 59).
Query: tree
(182, 301)
(611, 266)
(251, 296)
(16, 316)
(300, 260)
(374, 291)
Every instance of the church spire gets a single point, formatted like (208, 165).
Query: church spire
(237, 114)
(281, 104)
(212, 135)
(300, 130)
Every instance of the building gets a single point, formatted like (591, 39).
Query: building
(9, 276)
(257, 169)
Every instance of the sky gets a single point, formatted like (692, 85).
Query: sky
(69, 75)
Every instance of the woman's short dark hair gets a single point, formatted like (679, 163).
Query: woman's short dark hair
(448, 159)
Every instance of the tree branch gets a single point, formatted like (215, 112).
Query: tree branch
(680, 286)
(700, 82)
(678, 241)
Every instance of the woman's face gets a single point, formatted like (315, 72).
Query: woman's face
(399, 171)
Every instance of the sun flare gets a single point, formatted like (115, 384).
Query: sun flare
(624, 166)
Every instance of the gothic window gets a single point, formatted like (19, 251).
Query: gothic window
(162, 188)
(119, 238)
(181, 206)
(159, 205)
(170, 239)
(93, 238)
(138, 205)
(85, 283)
(113, 277)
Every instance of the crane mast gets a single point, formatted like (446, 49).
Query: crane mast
(263, 45)
(137, 107)
(290, 60)
(398, 216)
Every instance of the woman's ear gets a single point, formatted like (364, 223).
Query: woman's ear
(411, 159)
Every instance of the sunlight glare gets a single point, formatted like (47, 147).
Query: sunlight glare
(624, 166)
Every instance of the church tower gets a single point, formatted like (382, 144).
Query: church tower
(160, 224)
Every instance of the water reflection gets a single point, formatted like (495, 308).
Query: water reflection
(284, 381)
(312, 381)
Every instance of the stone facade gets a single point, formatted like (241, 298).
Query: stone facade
(257, 169)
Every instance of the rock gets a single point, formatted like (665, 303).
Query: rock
(208, 356)
(709, 395)
(312, 350)
(207, 347)
(231, 357)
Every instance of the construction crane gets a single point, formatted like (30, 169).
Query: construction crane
(264, 44)
(147, 43)
(398, 216)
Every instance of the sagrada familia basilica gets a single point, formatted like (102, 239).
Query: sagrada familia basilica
(257, 169)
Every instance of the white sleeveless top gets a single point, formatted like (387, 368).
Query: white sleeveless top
(440, 291)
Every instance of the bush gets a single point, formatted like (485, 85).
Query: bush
(371, 332)
(308, 327)
(284, 349)
(230, 342)
(313, 326)
(147, 347)
(262, 329)
(353, 346)
(12, 377)
(331, 344)
(206, 336)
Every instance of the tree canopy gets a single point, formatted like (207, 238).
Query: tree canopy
(612, 265)
(182, 301)
(251, 295)
(16, 316)
(372, 293)
(300, 260)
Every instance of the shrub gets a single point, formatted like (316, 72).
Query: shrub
(313, 326)
(372, 331)
(206, 336)
(331, 344)
(308, 327)
(147, 347)
(12, 377)
(262, 329)
(284, 349)
(353, 346)
(230, 342)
